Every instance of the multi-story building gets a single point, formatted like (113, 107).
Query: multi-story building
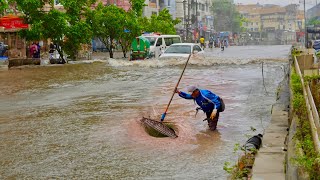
(196, 18)
(152, 7)
(270, 23)
(300, 25)
(314, 12)
(251, 13)
(170, 5)
(124, 4)
(205, 18)
(314, 29)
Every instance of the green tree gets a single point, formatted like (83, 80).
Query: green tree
(3, 6)
(315, 21)
(137, 7)
(132, 30)
(162, 23)
(227, 18)
(68, 28)
(108, 24)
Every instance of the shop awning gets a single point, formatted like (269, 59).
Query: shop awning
(12, 22)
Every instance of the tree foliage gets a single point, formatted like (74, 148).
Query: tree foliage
(68, 28)
(137, 7)
(107, 24)
(315, 21)
(227, 18)
(77, 23)
(3, 6)
(162, 23)
(132, 30)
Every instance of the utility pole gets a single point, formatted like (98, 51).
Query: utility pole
(231, 16)
(305, 25)
(188, 21)
(197, 26)
(185, 20)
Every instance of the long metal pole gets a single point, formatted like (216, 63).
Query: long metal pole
(174, 91)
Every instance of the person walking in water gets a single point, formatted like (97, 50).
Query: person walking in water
(202, 40)
(209, 102)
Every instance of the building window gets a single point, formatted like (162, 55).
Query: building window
(257, 23)
(168, 3)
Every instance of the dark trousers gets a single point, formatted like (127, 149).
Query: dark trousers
(212, 123)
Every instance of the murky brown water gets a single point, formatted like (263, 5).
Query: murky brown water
(82, 121)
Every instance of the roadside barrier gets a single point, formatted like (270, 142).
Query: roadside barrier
(313, 115)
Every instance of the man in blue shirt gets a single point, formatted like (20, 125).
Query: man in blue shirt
(209, 102)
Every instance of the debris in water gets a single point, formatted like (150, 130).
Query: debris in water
(158, 126)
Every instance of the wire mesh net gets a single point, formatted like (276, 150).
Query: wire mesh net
(158, 126)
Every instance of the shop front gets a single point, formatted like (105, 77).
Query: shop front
(15, 45)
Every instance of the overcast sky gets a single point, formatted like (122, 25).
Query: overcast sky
(309, 3)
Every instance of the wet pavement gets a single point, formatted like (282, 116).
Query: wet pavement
(82, 121)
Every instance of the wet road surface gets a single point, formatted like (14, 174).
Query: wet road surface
(82, 121)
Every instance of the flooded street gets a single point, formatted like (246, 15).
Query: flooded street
(82, 121)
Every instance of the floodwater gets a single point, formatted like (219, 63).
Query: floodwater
(82, 121)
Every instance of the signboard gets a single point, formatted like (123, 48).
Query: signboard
(12, 22)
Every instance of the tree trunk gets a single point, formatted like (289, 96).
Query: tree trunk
(111, 53)
(110, 46)
(111, 49)
(76, 54)
(124, 54)
(124, 49)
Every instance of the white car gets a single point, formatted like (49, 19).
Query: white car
(181, 50)
(159, 43)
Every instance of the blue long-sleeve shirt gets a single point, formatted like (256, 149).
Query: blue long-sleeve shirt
(207, 100)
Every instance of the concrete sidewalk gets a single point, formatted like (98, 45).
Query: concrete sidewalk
(270, 159)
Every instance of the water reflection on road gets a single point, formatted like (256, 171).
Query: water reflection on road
(82, 121)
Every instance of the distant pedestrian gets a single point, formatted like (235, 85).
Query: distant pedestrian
(37, 54)
(202, 41)
(2, 49)
(33, 50)
(52, 48)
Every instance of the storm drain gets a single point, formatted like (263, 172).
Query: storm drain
(158, 129)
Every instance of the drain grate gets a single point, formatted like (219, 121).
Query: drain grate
(158, 126)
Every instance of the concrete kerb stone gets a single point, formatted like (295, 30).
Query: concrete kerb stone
(271, 163)
(274, 139)
(273, 149)
(268, 176)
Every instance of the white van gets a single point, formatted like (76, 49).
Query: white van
(159, 43)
